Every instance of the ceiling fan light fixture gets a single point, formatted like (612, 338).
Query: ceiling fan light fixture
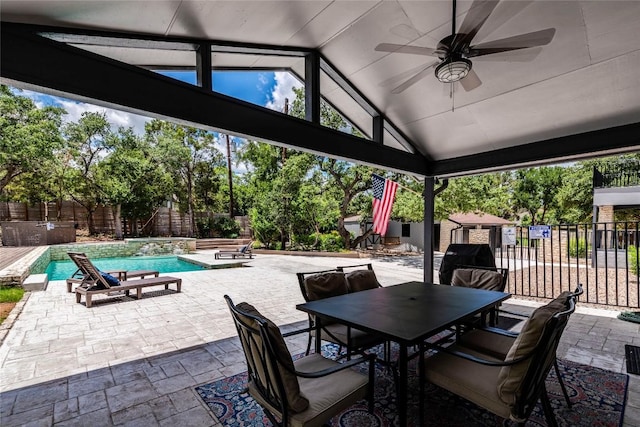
(453, 70)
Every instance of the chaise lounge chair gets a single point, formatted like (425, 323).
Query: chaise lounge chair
(78, 276)
(242, 252)
(96, 282)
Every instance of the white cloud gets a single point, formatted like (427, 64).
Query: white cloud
(117, 118)
(75, 109)
(285, 82)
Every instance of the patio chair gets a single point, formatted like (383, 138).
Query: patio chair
(242, 252)
(497, 342)
(78, 276)
(478, 277)
(306, 392)
(96, 282)
(509, 387)
(324, 284)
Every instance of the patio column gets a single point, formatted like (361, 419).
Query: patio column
(429, 202)
(312, 87)
(204, 79)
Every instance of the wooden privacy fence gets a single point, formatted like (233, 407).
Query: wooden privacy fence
(163, 222)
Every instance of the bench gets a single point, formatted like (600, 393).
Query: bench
(127, 286)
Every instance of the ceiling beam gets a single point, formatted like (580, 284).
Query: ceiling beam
(595, 143)
(35, 62)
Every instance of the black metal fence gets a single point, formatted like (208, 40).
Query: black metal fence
(616, 176)
(546, 260)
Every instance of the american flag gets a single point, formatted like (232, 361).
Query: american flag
(383, 193)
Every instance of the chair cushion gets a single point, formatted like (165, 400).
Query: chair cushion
(453, 373)
(361, 280)
(327, 395)
(493, 344)
(511, 377)
(477, 278)
(296, 401)
(325, 285)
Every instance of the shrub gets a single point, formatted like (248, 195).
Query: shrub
(633, 259)
(331, 242)
(226, 227)
(204, 226)
(577, 248)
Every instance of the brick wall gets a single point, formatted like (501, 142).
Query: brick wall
(479, 236)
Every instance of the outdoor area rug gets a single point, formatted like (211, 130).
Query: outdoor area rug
(597, 395)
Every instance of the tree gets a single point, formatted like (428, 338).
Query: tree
(349, 178)
(181, 149)
(575, 197)
(536, 190)
(488, 193)
(88, 142)
(129, 180)
(29, 135)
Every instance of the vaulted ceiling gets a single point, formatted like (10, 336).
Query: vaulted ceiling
(577, 96)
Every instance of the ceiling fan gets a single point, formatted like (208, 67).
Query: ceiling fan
(455, 50)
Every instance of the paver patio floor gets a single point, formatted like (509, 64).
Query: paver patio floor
(129, 362)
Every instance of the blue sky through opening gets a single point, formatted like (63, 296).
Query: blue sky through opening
(255, 87)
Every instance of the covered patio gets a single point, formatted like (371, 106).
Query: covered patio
(128, 362)
(573, 94)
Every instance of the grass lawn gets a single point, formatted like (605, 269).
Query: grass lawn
(9, 296)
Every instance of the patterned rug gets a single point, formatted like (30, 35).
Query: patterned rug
(597, 395)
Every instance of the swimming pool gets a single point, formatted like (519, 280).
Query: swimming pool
(61, 270)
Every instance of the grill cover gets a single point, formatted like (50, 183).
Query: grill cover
(459, 254)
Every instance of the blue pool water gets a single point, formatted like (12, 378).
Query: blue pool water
(61, 270)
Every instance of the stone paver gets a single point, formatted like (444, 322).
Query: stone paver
(135, 363)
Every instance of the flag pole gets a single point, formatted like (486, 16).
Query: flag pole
(402, 186)
(408, 189)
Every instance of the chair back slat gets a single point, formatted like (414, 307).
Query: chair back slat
(542, 358)
(92, 275)
(262, 362)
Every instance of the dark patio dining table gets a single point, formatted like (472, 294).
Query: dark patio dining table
(407, 314)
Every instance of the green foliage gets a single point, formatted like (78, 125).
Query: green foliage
(30, 136)
(535, 192)
(181, 150)
(263, 229)
(578, 248)
(222, 226)
(490, 193)
(632, 253)
(330, 242)
(11, 293)
(226, 227)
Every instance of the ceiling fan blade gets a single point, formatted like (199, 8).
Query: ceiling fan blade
(502, 14)
(413, 80)
(415, 50)
(473, 21)
(401, 77)
(522, 41)
(521, 55)
(471, 81)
